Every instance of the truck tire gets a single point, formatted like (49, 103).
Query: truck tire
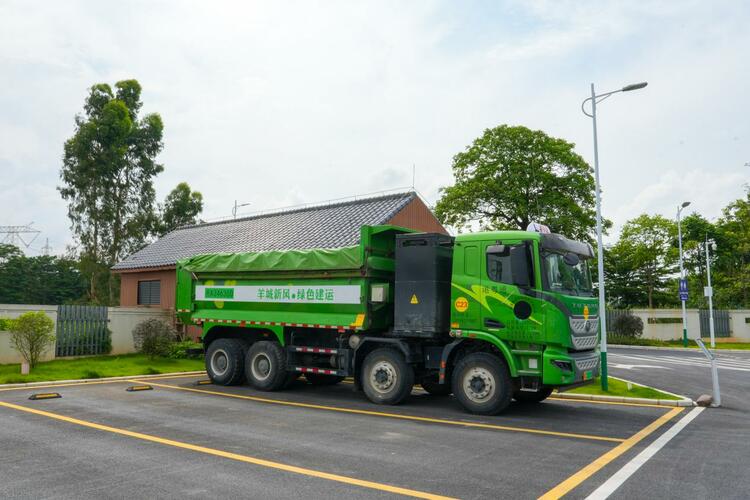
(431, 385)
(318, 379)
(265, 366)
(225, 362)
(532, 397)
(387, 378)
(482, 384)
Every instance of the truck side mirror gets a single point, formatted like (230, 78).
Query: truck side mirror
(520, 263)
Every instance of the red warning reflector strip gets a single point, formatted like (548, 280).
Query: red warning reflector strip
(45, 395)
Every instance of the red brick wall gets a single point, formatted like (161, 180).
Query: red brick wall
(129, 287)
(417, 216)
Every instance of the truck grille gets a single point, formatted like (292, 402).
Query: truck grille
(581, 326)
(584, 343)
(587, 363)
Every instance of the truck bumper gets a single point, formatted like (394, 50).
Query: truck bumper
(565, 368)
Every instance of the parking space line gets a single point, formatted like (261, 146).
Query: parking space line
(388, 415)
(589, 470)
(232, 456)
(616, 480)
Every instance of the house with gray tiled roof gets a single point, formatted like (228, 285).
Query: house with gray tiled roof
(148, 275)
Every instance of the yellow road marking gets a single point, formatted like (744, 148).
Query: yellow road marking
(389, 415)
(589, 470)
(232, 456)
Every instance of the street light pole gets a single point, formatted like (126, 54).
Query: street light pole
(710, 293)
(599, 246)
(682, 273)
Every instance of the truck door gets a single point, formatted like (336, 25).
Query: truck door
(510, 309)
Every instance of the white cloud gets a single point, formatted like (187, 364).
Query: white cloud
(283, 103)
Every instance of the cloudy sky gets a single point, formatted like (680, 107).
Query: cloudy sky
(279, 103)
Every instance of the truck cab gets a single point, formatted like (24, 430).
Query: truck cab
(529, 295)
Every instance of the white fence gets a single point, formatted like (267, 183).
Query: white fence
(666, 324)
(121, 321)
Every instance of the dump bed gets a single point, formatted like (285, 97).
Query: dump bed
(349, 288)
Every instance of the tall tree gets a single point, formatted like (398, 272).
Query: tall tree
(649, 243)
(734, 253)
(181, 208)
(108, 169)
(511, 176)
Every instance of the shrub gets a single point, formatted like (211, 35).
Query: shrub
(153, 337)
(628, 325)
(106, 344)
(178, 350)
(31, 334)
(6, 324)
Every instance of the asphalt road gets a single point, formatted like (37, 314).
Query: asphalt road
(183, 440)
(709, 459)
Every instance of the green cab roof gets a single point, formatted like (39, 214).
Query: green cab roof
(499, 235)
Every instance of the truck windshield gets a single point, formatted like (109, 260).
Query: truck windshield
(561, 277)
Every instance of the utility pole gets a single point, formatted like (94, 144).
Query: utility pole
(236, 206)
(13, 234)
(709, 292)
(46, 249)
(683, 291)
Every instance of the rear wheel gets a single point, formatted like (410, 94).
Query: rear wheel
(319, 379)
(482, 384)
(532, 397)
(225, 362)
(387, 378)
(265, 366)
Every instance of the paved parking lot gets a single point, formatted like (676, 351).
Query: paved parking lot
(181, 440)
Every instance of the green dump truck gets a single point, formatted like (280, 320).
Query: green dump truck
(488, 317)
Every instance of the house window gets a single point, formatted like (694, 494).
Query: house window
(149, 293)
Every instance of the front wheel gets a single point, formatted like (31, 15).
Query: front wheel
(532, 397)
(265, 366)
(225, 362)
(482, 384)
(387, 378)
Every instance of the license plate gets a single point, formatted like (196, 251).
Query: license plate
(587, 375)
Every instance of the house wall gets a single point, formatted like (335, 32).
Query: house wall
(738, 324)
(129, 287)
(416, 215)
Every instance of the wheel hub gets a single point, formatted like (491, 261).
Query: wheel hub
(383, 376)
(261, 366)
(219, 362)
(479, 384)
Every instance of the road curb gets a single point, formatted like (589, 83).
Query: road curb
(103, 379)
(623, 399)
(674, 349)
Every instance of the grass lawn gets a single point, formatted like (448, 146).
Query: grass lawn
(98, 367)
(618, 387)
(614, 339)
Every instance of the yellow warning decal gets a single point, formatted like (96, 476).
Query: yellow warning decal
(359, 321)
(461, 304)
(414, 299)
(586, 313)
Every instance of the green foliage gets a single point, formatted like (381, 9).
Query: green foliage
(31, 334)
(107, 342)
(181, 208)
(107, 179)
(628, 325)
(642, 262)
(6, 324)
(38, 280)
(511, 176)
(178, 350)
(154, 337)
